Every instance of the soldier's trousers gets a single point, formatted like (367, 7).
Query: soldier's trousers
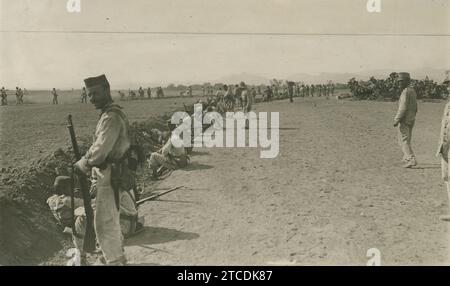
(157, 160)
(107, 219)
(405, 136)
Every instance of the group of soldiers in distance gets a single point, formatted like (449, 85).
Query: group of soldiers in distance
(141, 94)
(19, 95)
(230, 92)
(229, 97)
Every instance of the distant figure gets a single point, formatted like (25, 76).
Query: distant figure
(268, 93)
(122, 95)
(189, 91)
(55, 96)
(17, 95)
(20, 96)
(141, 92)
(219, 93)
(405, 117)
(290, 90)
(4, 96)
(83, 95)
(149, 93)
(159, 92)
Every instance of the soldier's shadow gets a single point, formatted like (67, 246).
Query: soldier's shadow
(199, 153)
(426, 166)
(157, 235)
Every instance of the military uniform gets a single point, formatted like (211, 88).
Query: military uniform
(55, 97)
(4, 97)
(84, 96)
(106, 160)
(17, 96)
(169, 153)
(406, 115)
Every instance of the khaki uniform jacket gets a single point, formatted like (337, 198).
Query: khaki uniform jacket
(444, 138)
(407, 107)
(111, 140)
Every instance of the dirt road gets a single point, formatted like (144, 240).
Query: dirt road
(336, 190)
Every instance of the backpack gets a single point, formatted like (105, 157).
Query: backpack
(135, 154)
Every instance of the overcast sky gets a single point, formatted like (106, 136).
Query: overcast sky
(42, 45)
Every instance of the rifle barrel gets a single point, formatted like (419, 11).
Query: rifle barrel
(89, 238)
(150, 198)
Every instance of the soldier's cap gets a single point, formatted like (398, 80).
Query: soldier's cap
(242, 84)
(61, 184)
(403, 76)
(96, 81)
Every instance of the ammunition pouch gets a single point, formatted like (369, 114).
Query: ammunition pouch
(122, 178)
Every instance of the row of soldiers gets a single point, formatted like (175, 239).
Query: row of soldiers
(19, 95)
(141, 93)
(302, 90)
(232, 93)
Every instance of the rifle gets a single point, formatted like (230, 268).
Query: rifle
(151, 198)
(89, 236)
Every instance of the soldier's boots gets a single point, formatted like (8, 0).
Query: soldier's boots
(410, 163)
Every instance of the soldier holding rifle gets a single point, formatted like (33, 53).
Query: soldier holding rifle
(107, 161)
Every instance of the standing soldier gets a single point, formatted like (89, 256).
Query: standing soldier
(4, 96)
(141, 92)
(290, 90)
(443, 152)
(107, 162)
(149, 93)
(20, 96)
(405, 117)
(312, 90)
(83, 95)
(269, 93)
(122, 95)
(17, 95)
(55, 96)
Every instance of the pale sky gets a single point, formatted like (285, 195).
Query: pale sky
(42, 45)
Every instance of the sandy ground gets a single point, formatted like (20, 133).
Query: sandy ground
(336, 190)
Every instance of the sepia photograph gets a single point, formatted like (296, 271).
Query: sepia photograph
(241, 133)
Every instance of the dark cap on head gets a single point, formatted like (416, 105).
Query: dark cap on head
(98, 80)
(403, 76)
(62, 184)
